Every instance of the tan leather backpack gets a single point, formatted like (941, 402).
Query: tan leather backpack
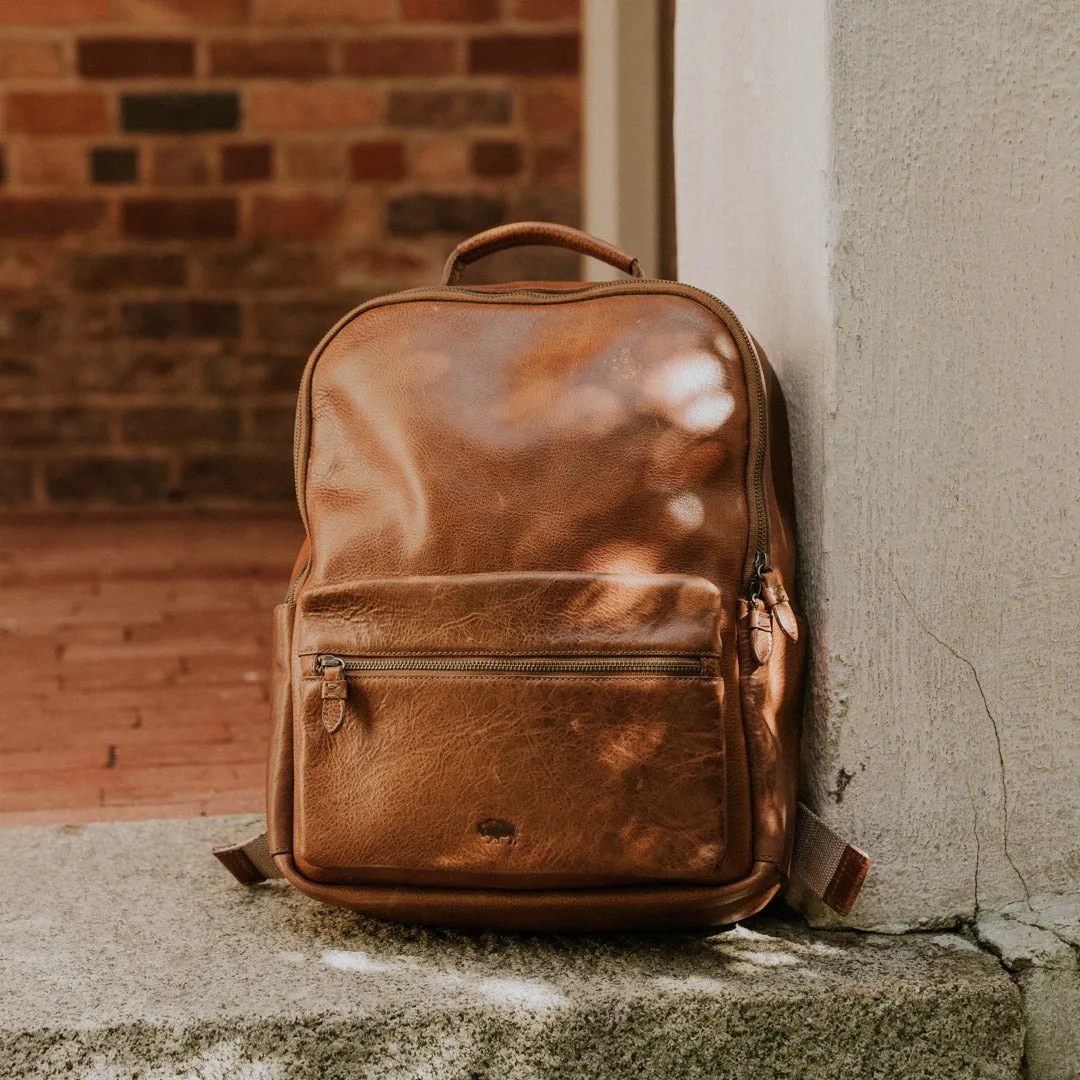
(539, 665)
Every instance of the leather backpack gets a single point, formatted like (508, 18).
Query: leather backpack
(539, 666)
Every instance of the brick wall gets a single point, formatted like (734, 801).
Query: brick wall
(192, 191)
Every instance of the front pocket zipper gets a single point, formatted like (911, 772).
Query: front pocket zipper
(328, 665)
(335, 687)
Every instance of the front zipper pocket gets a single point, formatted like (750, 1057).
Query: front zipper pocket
(510, 730)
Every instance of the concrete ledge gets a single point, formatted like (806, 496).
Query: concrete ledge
(1039, 941)
(126, 951)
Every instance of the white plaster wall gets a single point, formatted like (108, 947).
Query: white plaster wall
(890, 195)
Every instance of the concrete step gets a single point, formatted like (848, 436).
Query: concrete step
(127, 951)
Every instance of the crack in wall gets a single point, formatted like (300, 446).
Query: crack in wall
(978, 845)
(994, 727)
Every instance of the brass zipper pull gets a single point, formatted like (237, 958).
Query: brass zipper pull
(776, 597)
(335, 689)
(760, 621)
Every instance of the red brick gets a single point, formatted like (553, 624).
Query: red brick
(179, 426)
(323, 11)
(401, 56)
(441, 158)
(131, 58)
(253, 161)
(54, 12)
(55, 758)
(552, 111)
(449, 108)
(56, 166)
(450, 10)
(250, 750)
(378, 160)
(300, 322)
(177, 782)
(28, 319)
(260, 479)
(30, 60)
(385, 263)
(250, 372)
(183, 13)
(106, 480)
(69, 112)
(179, 166)
(104, 272)
(495, 159)
(559, 163)
(49, 217)
(52, 427)
(315, 161)
(425, 212)
(165, 319)
(524, 54)
(274, 424)
(362, 221)
(16, 483)
(289, 58)
(267, 266)
(301, 217)
(179, 219)
(322, 108)
(547, 9)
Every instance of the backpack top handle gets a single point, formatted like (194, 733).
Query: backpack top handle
(540, 234)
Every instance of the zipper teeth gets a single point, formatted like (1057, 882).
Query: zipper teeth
(753, 373)
(523, 665)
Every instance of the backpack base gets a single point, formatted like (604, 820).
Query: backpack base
(646, 907)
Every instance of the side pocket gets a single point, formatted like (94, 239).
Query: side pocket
(279, 776)
(771, 690)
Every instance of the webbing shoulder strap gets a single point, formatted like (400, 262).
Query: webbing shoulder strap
(829, 867)
(249, 862)
(826, 864)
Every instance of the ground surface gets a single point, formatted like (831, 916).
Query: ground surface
(210, 979)
(135, 655)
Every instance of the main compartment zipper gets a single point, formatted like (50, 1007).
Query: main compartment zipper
(699, 666)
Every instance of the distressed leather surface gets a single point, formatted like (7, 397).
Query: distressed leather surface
(279, 772)
(513, 782)
(602, 437)
(512, 614)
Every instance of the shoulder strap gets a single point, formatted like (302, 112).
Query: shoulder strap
(249, 862)
(826, 864)
(829, 867)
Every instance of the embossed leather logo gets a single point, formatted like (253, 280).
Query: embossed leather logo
(496, 831)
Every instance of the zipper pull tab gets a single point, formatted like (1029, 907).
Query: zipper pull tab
(776, 597)
(335, 689)
(760, 620)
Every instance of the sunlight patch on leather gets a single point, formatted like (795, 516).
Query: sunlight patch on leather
(687, 510)
(694, 389)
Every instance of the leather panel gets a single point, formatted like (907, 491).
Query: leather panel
(514, 780)
(512, 613)
(592, 436)
(279, 773)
